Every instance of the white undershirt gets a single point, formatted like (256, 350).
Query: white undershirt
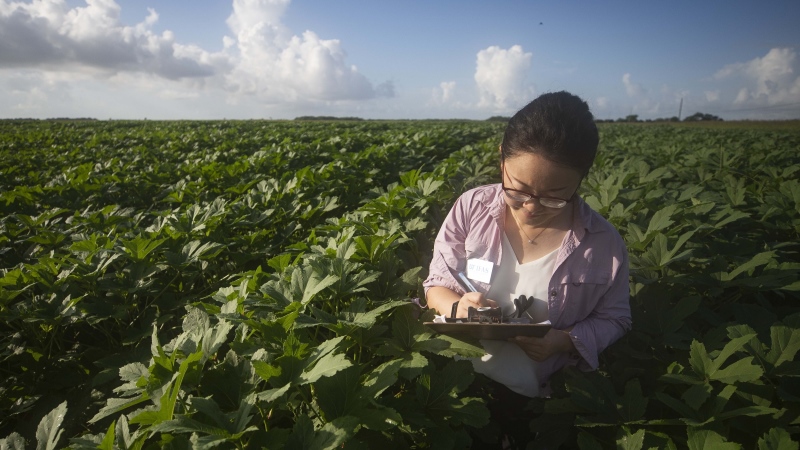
(504, 361)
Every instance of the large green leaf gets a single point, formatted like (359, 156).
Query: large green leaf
(777, 439)
(49, 430)
(13, 441)
(633, 403)
(338, 395)
(139, 247)
(785, 344)
(630, 441)
(700, 439)
(662, 219)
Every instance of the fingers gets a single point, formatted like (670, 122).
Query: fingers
(534, 347)
(474, 300)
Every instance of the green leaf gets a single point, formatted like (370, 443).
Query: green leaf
(381, 378)
(338, 395)
(470, 411)
(49, 430)
(324, 361)
(696, 395)
(748, 411)
(630, 441)
(587, 442)
(334, 433)
(708, 440)
(757, 260)
(754, 346)
(266, 370)
(115, 405)
(184, 424)
(662, 219)
(109, 438)
(302, 434)
(368, 319)
(634, 404)
(740, 371)
(122, 433)
(140, 247)
(195, 251)
(327, 366)
(436, 389)
(13, 441)
(274, 394)
(699, 359)
(460, 347)
(378, 418)
(679, 407)
(785, 344)
(777, 439)
(675, 317)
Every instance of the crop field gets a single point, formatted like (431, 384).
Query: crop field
(246, 284)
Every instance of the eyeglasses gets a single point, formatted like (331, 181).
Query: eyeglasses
(523, 197)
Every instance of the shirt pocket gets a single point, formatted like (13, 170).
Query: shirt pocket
(582, 291)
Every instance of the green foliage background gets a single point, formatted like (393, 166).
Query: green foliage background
(245, 284)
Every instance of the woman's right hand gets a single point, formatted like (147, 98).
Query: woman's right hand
(475, 300)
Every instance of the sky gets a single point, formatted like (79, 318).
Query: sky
(393, 59)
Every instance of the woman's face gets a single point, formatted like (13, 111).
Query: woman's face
(533, 174)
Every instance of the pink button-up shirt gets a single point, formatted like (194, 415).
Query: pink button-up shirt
(588, 289)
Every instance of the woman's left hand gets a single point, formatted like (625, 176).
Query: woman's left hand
(539, 349)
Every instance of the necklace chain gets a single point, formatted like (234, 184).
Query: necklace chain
(530, 240)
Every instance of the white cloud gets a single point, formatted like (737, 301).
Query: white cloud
(502, 77)
(712, 96)
(631, 88)
(262, 60)
(742, 96)
(45, 34)
(276, 66)
(601, 102)
(770, 80)
(443, 93)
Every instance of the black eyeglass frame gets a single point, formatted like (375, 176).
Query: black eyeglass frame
(510, 193)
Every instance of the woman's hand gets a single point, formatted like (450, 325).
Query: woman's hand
(539, 349)
(475, 300)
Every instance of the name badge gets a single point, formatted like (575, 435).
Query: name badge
(480, 270)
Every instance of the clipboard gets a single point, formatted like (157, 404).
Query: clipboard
(495, 331)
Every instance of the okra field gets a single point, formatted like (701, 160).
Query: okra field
(246, 284)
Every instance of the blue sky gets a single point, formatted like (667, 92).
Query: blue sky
(242, 59)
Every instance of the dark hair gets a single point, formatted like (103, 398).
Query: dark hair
(557, 126)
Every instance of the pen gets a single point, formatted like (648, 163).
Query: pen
(467, 285)
(465, 281)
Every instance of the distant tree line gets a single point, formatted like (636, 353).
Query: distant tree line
(326, 118)
(498, 119)
(696, 117)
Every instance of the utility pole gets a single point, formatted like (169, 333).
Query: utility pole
(680, 109)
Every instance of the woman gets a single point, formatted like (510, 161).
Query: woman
(533, 235)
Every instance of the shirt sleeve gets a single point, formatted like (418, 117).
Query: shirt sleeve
(608, 321)
(449, 255)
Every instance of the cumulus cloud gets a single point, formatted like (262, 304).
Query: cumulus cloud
(45, 34)
(712, 96)
(631, 88)
(769, 80)
(502, 77)
(263, 59)
(444, 92)
(276, 66)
